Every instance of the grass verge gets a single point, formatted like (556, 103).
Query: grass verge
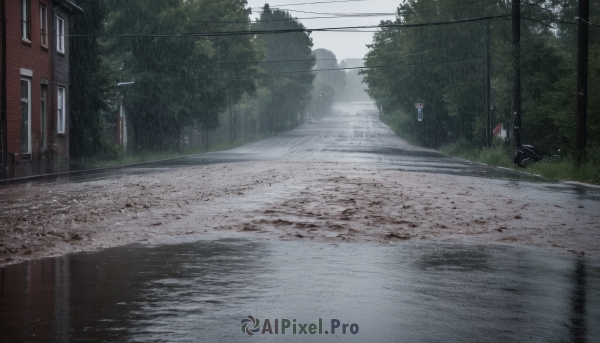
(149, 156)
(561, 168)
(395, 123)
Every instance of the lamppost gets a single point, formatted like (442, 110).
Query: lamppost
(122, 120)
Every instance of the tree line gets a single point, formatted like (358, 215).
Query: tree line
(169, 86)
(444, 67)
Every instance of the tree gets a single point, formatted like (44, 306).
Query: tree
(179, 79)
(289, 83)
(443, 66)
(91, 80)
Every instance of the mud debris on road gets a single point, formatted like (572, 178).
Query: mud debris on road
(347, 178)
(319, 201)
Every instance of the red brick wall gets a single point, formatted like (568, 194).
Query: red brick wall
(30, 56)
(3, 158)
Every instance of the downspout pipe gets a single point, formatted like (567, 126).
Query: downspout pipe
(4, 116)
(53, 87)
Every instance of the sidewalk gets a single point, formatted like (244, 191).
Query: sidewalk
(37, 170)
(32, 170)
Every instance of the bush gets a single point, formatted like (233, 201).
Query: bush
(498, 155)
(566, 168)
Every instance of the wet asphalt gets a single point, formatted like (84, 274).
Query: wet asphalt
(352, 133)
(201, 291)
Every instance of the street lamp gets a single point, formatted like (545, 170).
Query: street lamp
(122, 124)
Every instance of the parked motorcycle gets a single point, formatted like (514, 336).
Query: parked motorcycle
(526, 153)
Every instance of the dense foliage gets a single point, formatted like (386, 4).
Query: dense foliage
(172, 87)
(328, 84)
(289, 83)
(444, 67)
(92, 84)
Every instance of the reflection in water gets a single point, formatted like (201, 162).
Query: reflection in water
(199, 292)
(125, 294)
(61, 327)
(32, 168)
(578, 325)
(459, 259)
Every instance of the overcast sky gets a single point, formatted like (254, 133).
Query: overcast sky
(342, 44)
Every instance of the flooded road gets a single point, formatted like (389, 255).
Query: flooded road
(200, 292)
(340, 219)
(353, 133)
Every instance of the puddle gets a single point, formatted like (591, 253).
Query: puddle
(201, 291)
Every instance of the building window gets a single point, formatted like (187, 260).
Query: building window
(25, 115)
(60, 114)
(44, 25)
(43, 120)
(60, 35)
(26, 20)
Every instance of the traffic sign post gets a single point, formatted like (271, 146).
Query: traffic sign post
(419, 106)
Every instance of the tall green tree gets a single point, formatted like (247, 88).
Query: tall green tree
(92, 84)
(289, 83)
(328, 82)
(440, 66)
(444, 67)
(179, 79)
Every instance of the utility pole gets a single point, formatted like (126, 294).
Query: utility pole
(516, 31)
(582, 69)
(489, 134)
(230, 118)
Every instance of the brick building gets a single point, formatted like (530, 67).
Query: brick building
(35, 80)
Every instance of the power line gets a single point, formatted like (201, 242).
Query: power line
(234, 63)
(342, 14)
(298, 30)
(367, 15)
(275, 61)
(337, 15)
(320, 70)
(449, 9)
(320, 2)
(560, 20)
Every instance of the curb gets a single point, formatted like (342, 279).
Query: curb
(86, 171)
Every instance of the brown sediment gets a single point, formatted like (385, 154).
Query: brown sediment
(282, 200)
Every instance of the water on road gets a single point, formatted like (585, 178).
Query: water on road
(355, 217)
(352, 133)
(200, 292)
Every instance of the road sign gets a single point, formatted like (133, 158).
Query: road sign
(419, 105)
(420, 112)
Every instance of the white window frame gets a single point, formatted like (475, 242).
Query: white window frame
(25, 20)
(44, 115)
(60, 35)
(28, 101)
(61, 110)
(44, 25)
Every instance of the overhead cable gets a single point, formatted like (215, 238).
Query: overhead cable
(479, 58)
(298, 30)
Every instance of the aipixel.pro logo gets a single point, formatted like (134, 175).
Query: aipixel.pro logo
(251, 326)
(253, 323)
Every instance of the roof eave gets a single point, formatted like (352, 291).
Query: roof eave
(73, 9)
